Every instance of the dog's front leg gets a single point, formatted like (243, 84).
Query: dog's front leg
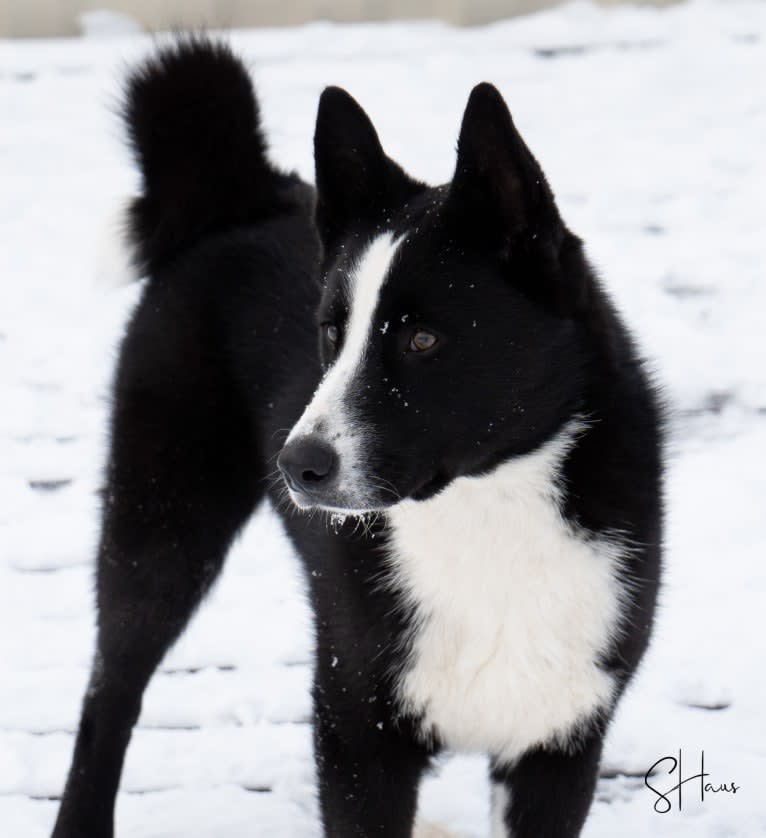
(369, 771)
(547, 793)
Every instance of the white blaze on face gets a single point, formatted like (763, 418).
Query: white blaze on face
(328, 413)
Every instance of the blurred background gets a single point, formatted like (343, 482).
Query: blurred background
(46, 18)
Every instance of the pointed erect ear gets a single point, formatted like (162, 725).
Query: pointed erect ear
(356, 183)
(499, 189)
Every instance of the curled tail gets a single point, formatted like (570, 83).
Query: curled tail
(193, 122)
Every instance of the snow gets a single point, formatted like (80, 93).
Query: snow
(652, 127)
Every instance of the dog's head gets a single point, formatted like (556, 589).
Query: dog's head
(448, 326)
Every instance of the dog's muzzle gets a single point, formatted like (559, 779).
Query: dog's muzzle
(309, 466)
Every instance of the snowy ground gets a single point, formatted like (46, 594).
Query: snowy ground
(652, 128)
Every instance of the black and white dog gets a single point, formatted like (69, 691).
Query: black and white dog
(453, 375)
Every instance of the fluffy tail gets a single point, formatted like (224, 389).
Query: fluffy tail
(192, 119)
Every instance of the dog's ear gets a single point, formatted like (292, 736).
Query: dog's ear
(498, 191)
(357, 184)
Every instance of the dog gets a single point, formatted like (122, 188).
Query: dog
(460, 400)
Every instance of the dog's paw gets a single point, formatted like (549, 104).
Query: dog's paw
(432, 830)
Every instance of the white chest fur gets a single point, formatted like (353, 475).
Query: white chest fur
(513, 609)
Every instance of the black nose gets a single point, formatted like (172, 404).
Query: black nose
(307, 464)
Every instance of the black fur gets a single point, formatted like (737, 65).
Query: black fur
(227, 239)
(222, 354)
(193, 122)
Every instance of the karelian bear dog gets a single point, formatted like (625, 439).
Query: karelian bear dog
(439, 370)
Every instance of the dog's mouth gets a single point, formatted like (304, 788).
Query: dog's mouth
(369, 500)
(335, 503)
(316, 479)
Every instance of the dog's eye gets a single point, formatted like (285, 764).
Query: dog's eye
(331, 333)
(422, 341)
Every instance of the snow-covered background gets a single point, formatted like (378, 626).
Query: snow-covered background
(652, 128)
